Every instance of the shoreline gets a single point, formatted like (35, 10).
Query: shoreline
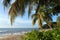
(12, 37)
(12, 34)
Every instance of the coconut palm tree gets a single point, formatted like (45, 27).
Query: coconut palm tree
(40, 17)
(44, 9)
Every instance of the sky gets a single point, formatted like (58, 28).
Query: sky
(20, 22)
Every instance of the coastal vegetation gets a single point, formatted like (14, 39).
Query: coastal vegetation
(44, 35)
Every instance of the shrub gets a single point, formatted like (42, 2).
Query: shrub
(48, 35)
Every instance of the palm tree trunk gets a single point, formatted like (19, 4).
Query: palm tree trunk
(50, 26)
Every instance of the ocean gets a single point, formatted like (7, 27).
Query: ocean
(9, 31)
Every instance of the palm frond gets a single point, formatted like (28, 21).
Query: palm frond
(12, 18)
(57, 9)
(35, 16)
(30, 8)
(40, 23)
(6, 2)
(17, 8)
(37, 7)
(34, 21)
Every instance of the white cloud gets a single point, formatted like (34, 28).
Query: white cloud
(22, 21)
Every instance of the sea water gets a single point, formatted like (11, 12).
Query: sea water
(15, 31)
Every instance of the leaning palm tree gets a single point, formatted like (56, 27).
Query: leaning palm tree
(44, 9)
(40, 17)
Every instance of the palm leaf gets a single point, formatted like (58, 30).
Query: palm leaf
(30, 8)
(40, 23)
(6, 2)
(34, 21)
(17, 8)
